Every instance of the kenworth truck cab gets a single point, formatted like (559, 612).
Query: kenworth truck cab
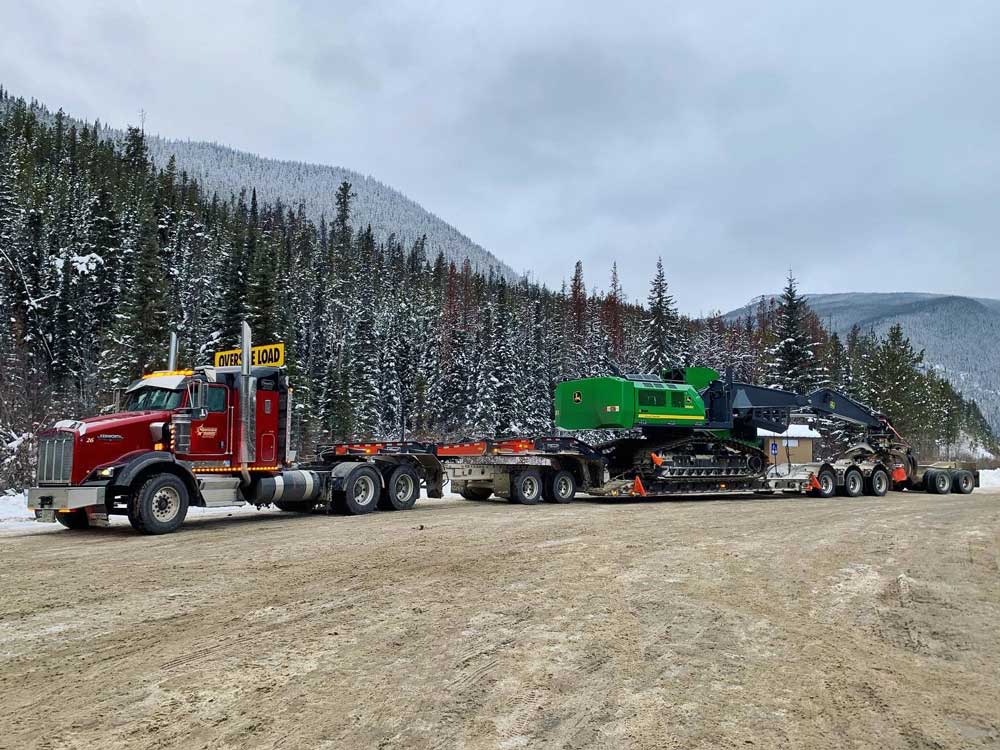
(213, 436)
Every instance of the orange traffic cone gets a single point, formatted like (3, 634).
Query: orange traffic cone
(637, 488)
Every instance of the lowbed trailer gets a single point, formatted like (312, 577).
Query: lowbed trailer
(554, 469)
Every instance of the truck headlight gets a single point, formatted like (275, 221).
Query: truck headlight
(107, 472)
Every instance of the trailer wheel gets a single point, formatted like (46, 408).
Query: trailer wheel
(937, 482)
(963, 483)
(361, 491)
(75, 520)
(560, 487)
(402, 489)
(827, 484)
(161, 503)
(878, 483)
(476, 493)
(526, 487)
(854, 483)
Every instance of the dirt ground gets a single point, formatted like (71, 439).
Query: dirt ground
(761, 623)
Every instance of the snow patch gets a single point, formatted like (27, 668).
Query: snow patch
(989, 478)
(15, 508)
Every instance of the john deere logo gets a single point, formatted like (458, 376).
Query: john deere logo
(577, 397)
(833, 404)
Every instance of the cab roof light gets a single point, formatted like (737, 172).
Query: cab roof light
(164, 373)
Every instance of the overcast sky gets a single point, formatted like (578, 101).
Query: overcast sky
(857, 143)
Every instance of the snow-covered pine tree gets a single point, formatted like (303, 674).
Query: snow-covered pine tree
(662, 330)
(793, 364)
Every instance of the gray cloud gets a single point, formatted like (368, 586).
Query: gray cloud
(856, 143)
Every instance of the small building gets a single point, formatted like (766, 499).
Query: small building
(796, 444)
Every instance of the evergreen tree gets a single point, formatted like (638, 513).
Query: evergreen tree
(662, 331)
(793, 361)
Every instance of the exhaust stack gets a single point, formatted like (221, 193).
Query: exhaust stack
(172, 353)
(248, 405)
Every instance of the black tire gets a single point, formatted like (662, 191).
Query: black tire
(854, 483)
(560, 487)
(75, 520)
(937, 482)
(526, 487)
(401, 490)
(476, 493)
(295, 506)
(362, 490)
(133, 515)
(161, 503)
(878, 483)
(827, 484)
(963, 482)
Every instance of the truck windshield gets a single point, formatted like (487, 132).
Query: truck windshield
(152, 399)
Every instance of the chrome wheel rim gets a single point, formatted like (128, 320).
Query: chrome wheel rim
(879, 482)
(364, 490)
(404, 487)
(529, 487)
(854, 483)
(166, 504)
(564, 487)
(826, 484)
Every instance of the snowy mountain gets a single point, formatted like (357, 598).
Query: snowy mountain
(226, 171)
(960, 336)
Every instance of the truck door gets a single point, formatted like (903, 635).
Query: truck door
(267, 427)
(210, 436)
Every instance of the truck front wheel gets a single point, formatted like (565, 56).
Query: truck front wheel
(75, 520)
(161, 504)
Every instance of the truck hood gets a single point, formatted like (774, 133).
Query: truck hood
(111, 422)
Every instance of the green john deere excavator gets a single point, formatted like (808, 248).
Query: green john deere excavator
(693, 429)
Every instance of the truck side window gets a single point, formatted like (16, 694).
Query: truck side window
(216, 398)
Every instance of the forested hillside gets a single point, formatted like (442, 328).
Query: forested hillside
(957, 334)
(102, 254)
(224, 171)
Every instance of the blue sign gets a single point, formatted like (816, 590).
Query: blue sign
(774, 449)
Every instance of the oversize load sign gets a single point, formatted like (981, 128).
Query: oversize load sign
(272, 355)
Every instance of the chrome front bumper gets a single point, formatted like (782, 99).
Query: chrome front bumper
(58, 498)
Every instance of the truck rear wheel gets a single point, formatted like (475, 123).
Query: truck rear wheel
(937, 482)
(854, 483)
(362, 489)
(476, 493)
(963, 482)
(402, 489)
(526, 487)
(161, 504)
(560, 487)
(75, 520)
(878, 483)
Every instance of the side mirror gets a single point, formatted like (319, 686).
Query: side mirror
(197, 396)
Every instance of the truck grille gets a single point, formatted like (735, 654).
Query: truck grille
(55, 458)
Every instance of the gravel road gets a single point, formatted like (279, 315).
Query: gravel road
(764, 623)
